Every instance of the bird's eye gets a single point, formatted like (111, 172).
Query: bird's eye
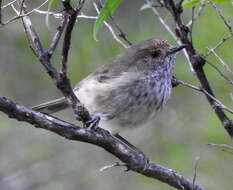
(155, 53)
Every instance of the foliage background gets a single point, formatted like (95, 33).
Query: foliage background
(36, 159)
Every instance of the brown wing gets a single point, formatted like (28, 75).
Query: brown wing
(125, 62)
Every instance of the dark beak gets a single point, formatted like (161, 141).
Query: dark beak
(176, 48)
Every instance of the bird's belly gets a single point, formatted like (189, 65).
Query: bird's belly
(123, 107)
(146, 105)
(137, 115)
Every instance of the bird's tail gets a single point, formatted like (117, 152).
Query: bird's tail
(52, 106)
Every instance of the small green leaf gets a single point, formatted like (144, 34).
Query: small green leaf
(107, 10)
(190, 3)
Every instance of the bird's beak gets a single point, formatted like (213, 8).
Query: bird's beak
(176, 48)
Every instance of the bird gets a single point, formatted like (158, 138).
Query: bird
(128, 90)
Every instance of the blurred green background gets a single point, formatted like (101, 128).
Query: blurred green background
(37, 159)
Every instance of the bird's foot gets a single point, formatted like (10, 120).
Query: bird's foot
(93, 123)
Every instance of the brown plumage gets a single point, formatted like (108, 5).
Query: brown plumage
(129, 89)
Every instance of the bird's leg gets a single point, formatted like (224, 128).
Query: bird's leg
(93, 123)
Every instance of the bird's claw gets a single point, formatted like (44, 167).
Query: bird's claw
(92, 124)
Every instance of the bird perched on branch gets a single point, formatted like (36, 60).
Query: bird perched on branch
(129, 89)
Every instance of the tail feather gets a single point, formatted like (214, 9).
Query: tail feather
(52, 106)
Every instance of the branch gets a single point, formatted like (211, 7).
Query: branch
(63, 83)
(134, 159)
(197, 60)
(60, 79)
(57, 37)
(217, 103)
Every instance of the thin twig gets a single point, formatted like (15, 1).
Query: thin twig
(57, 36)
(227, 151)
(198, 14)
(87, 17)
(166, 26)
(67, 39)
(223, 147)
(227, 24)
(110, 28)
(8, 4)
(191, 26)
(30, 32)
(195, 171)
(120, 32)
(225, 20)
(220, 43)
(63, 82)
(220, 72)
(223, 40)
(221, 61)
(72, 14)
(23, 15)
(31, 45)
(60, 15)
(217, 103)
